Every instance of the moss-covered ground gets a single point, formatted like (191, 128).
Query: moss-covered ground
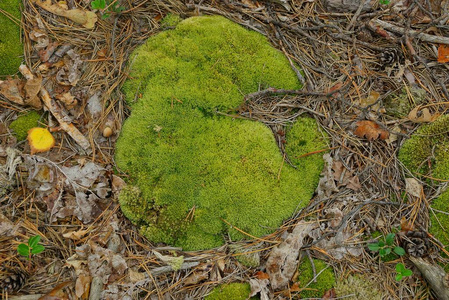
(324, 281)
(11, 48)
(23, 123)
(194, 171)
(234, 291)
(427, 153)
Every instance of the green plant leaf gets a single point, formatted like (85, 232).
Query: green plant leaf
(407, 272)
(38, 249)
(398, 277)
(33, 241)
(98, 4)
(374, 247)
(384, 252)
(400, 268)
(23, 250)
(381, 244)
(389, 239)
(105, 16)
(399, 250)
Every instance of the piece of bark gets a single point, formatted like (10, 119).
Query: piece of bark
(348, 5)
(422, 36)
(435, 276)
(283, 260)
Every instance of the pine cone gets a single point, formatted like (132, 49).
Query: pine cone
(14, 282)
(417, 243)
(389, 57)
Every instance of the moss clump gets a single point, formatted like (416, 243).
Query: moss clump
(427, 152)
(359, 287)
(22, 124)
(195, 168)
(234, 291)
(10, 44)
(324, 282)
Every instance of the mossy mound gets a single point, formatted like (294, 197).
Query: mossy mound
(10, 44)
(191, 169)
(427, 153)
(23, 123)
(356, 288)
(324, 281)
(234, 291)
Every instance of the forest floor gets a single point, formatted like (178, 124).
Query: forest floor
(355, 58)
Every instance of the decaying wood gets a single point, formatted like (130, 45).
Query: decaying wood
(283, 260)
(79, 138)
(435, 276)
(422, 36)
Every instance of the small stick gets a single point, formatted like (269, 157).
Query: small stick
(423, 36)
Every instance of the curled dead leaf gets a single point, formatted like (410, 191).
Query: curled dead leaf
(418, 115)
(40, 140)
(370, 130)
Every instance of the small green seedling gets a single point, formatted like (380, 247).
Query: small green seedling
(107, 7)
(386, 246)
(384, 2)
(402, 271)
(32, 247)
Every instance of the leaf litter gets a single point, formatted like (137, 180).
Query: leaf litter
(68, 194)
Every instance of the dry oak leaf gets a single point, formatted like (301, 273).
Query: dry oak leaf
(370, 130)
(40, 140)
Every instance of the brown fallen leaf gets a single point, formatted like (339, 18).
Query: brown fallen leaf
(329, 295)
(370, 130)
(32, 88)
(75, 235)
(424, 117)
(58, 292)
(82, 17)
(11, 89)
(283, 260)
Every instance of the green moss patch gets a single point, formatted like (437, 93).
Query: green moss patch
(357, 287)
(10, 45)
(22, 124)
(194, 171)
(324, 281)
(427, 153)
(234, 291)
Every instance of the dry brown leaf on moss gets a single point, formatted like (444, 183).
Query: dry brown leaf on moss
(82, 17)
(40, 140)
(418, 115)
(370, 130)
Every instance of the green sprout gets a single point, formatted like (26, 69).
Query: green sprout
(384, 2)
(386, 246)
(107, 7)
(402, 271)
(31, 248)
